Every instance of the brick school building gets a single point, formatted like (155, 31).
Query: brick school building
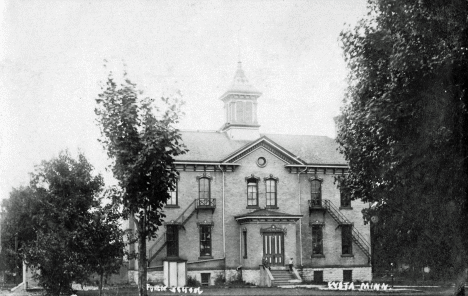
(244, 198)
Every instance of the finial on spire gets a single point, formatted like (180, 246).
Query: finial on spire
(238, 45)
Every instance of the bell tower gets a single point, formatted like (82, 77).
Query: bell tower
(240, 108)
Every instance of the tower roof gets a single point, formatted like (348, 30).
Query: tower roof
(240, 83)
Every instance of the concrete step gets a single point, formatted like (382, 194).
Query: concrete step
(276, 283)
(287, 277)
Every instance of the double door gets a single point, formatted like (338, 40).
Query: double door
(273, 247)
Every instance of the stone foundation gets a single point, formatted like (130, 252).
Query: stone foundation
(156, 277)
(251, 276)
(133, 277)
(248, 276)
(213, 275)
(363, 274)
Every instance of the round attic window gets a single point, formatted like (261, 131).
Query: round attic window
(261, 162)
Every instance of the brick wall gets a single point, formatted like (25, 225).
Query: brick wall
(331, 232)
(288, 202)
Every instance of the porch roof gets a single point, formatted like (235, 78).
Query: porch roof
(267, 216)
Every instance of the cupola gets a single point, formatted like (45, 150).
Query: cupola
(240, 108)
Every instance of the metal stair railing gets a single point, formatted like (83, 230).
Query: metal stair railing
(180, 220)
(334, 212)
(358, 238)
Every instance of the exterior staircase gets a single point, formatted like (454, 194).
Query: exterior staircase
(358, 238)
(282, 277)
(160, 243)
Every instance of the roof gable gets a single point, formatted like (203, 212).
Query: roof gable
(268, 145)
(217, 147)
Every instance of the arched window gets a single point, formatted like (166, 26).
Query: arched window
(173, 200)
(271, 192)
(345, 195)
(252, 191)
(316, 192)
(204, 191)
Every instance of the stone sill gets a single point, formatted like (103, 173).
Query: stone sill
(347, 255)
(205, 257)
(318, 256)
(346, 208)
(172, 207)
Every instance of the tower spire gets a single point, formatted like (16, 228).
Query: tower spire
(238, 45)
(240, 105)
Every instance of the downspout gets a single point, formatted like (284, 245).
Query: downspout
(300, 220)
(224, 234)
(240, 246)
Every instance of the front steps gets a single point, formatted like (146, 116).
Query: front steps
(282, 277)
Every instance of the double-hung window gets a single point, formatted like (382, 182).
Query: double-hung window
(346, 239)
(173, 199)
(317, 239)
(252, 191)
(316, 192)
(204, 191)
(172, 240)
(345, 196)
(270, 192)
(345, 200)
(205, 240)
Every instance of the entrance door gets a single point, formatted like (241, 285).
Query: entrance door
(273, 247)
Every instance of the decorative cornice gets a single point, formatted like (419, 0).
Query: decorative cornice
(205, 223)
(273, 228)
(270, 177)
(205, 166)
(337, 169)
(239, 96)
(316, 223)
(315, 178)
(267, 146)
(204, 176)
(252, 177)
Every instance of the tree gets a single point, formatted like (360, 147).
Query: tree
(404, 128)
(143, 148)
(61, 193)
(59, 228)
(103, 242)
(16, 230)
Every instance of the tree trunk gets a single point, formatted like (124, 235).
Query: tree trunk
(142, 268)
(142, 265)
(460, 284)
(101, 276)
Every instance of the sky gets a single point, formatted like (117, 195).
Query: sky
(52, 56)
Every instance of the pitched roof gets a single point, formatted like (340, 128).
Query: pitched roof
(214, 146)
(266, 213)
(311, 149)
(208, 146)
(240, 83)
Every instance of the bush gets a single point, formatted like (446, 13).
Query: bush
(220, 280)
(192, 282)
